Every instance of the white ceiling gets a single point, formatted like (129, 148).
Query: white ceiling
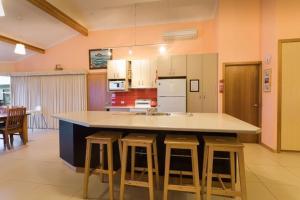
(7, 53)
(105, 14)
(25, 22)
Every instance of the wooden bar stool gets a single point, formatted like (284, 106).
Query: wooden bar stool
(188, 142)
(223, 144)
(147, 141)
(101, 138)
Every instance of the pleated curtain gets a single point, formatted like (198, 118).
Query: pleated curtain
(54, 93)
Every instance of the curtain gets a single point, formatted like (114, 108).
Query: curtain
(54, 93)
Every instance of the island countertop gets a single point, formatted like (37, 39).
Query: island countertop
(192, 122)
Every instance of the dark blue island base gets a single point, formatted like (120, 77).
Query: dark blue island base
(72, 148)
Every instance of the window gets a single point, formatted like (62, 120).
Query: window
(4, 90)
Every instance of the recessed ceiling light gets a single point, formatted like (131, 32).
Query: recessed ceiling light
(162, 50)
(2, 13)
(130, 52)
(20, 49)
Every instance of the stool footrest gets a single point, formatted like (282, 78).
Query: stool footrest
(183, 188)
(103, 171)
(137, 183)
(227, 192)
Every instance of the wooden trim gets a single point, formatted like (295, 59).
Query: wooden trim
(259, 64)
(58, 14)
(28, 46)
(279, 89)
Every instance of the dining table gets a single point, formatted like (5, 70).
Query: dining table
(3, 117)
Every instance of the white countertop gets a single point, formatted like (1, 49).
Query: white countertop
(197, 122)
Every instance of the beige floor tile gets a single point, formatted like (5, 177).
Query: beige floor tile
(274, 175)
(285, 192)
(35, 171)
(49, 192)
(17, 190)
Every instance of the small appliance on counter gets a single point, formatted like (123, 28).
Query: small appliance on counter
(171, 95)
(141, 105)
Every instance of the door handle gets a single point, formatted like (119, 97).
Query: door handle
(255, 105)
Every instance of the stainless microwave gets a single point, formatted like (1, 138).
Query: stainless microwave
(116, 85)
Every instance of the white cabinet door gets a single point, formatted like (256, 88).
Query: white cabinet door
(178, 65)
(164, 66)
(121, 69)
(135, 73)
(111, 70)
(153, 73)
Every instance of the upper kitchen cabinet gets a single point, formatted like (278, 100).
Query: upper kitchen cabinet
(143, 73)
(117, 69)
(204, 69)
(172, 66)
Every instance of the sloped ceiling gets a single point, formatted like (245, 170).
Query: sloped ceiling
(25, 22)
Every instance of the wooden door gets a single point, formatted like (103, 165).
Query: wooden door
(98, 96)
(290, 97)
(194, 72)
(242, 95)
(178, 65)
(164, 66)
(210, 83)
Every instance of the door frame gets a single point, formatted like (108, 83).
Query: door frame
(243, 64)
(279, 89)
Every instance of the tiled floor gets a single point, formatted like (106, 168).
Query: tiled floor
(35, 172)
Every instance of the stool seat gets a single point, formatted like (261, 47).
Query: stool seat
(101, 138)
(181, 139)
(234, 148)
(104, 136)
(147, 141)
(222, 141)
(139, 138)
(186, 142)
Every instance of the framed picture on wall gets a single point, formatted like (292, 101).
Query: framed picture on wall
(194, 85)
(267, 80)
(99, 57)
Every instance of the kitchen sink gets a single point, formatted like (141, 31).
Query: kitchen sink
(153, 114)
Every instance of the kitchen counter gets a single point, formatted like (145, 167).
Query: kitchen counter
(75, 127)
(195, 122)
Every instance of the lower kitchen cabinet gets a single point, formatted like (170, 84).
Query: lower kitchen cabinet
(203, 68)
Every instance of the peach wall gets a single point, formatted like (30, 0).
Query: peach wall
(7, 67)
(238, 33)
(73, 53)
(280, 20)
(269, 49)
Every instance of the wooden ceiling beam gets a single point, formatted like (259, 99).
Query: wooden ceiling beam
(58, 14)
(27, 46)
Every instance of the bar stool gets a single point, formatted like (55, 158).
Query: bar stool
(147, 141)
(101, 138)
(223, 144)
(187, 142)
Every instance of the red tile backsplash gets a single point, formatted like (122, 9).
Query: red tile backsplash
(128, 98)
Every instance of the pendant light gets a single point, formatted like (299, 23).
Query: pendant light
(20, 49)
(2, 13)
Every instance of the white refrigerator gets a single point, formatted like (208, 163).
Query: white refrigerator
(171, 95)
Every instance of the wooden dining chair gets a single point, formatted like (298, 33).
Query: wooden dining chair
(13, 125)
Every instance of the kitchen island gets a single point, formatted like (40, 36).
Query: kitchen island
(74, 127)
